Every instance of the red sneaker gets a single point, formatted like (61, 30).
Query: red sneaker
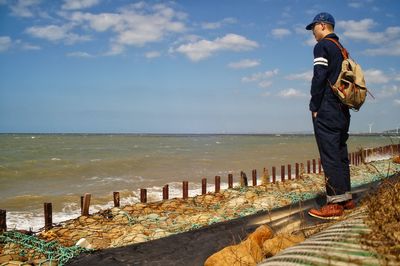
(349, 205)
(329, 212)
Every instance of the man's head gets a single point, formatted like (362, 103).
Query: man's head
(322, 25)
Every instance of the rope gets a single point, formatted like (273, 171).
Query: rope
(53, 251)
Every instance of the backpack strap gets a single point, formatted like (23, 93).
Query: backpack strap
(343, 50)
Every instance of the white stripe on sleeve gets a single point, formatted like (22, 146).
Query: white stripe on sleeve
(320, 61)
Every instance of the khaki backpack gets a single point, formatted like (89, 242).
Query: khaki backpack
(350, 86)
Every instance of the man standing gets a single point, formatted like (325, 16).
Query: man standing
(331, 119)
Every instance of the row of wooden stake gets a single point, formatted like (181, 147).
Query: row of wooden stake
(355, 158)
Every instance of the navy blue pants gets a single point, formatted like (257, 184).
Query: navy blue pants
(331, 128)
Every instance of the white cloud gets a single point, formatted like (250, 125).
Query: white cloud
(389, 91)
(375, 76)
(135, 25)
(360, 3)
(261, 76)
(78, 4)
(80, 54)
(291, 93)
(202, 49)
(27, 46)
(388, 48)
(265, 84)
(361, 31)
(396, 77)
(23, 8)
(56, 33)
(305, 76)
(246, 63)
(388, 40)
(218, 24)
(115, 49)
(99, 22)
(280, 33)
(300, 29)
(152, 54)
(263, 79)
(311, 40)
(355, 4)
(5, 43)
(396, 102)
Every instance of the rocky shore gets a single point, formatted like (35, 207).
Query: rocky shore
(140, 222)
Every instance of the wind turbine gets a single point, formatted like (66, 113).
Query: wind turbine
(370, 127)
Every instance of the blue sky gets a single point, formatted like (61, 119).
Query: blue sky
(185, 66)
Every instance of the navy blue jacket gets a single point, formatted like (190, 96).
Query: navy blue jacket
(327, 66)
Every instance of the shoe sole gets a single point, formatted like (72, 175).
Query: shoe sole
(324, 217)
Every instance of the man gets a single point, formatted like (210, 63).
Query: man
(331, 119)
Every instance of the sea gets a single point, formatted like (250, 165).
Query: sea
(60, 168)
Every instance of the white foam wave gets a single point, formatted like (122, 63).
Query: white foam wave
(378, 158)
(34, 220)
(105, 180)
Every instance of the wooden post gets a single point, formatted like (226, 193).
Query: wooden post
(243, 179)
(308, 166)
(230, 181)
(282, 173)
(217, 184)
(143, 195)
(204, 186)
(289, 172)
(254, 176)
(297, 175)
(185, 192)
(165, 192)
(3, 221)
(86, 204)
(273, 174)
(116, 199)
(48, 216)
(319, 166)
(314, 166)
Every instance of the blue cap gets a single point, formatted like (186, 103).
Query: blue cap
(322, 17)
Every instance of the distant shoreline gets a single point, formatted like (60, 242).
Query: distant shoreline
(199, 134)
